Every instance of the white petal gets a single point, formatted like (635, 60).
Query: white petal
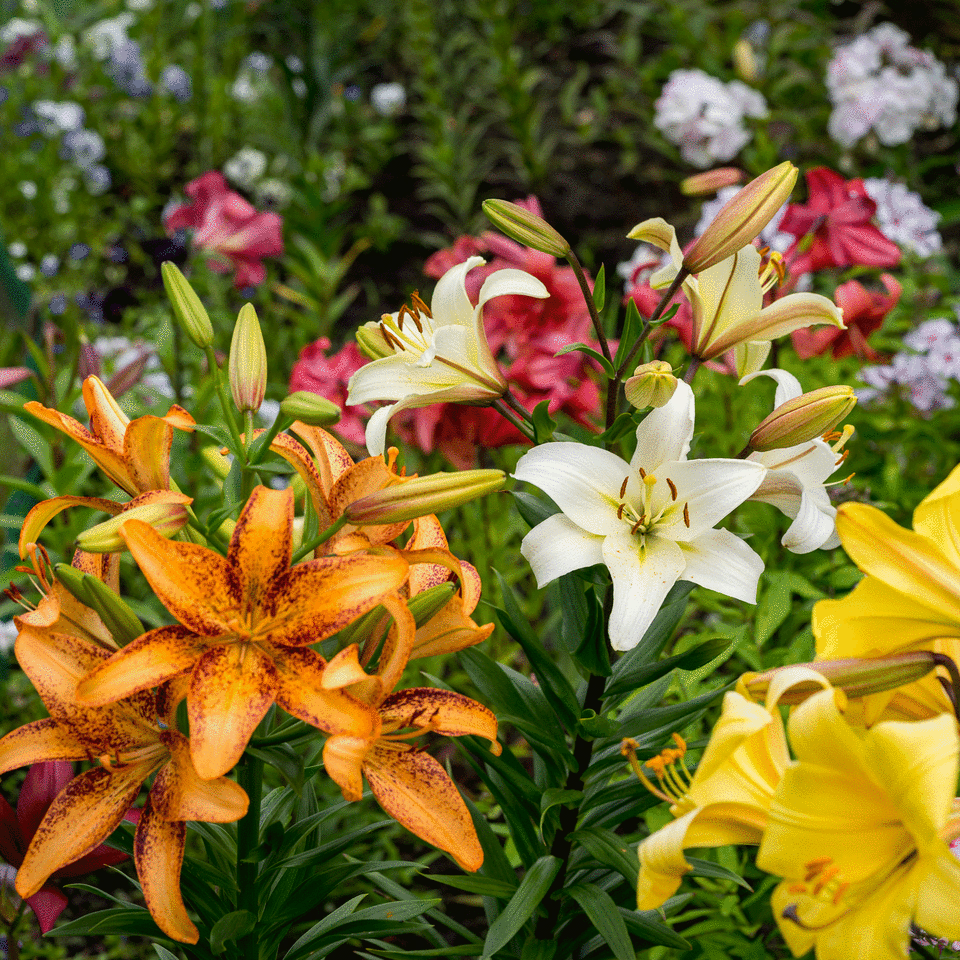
(583, 481)
(641, 580)
(376, 433)
(814, 525)
(558, 546)
(720, 561)
(811, 463)
(504, 282)
(710, 489)
(788, 386)
(450, 303)
(665, 432)
(467, 348)
(395, 378)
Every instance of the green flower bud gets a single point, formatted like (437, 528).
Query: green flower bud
(525, 227)
(248, 361)
(189, 311)
(810, 415)
(310, 408)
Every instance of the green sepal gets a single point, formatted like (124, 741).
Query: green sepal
(124, 625)
(543, 423)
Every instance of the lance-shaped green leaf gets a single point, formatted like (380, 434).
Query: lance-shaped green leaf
(523, 904)
(605, 917)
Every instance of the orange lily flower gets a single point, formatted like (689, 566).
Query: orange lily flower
(246, 623)
(134, 454)
(129, 741)
(408, 783)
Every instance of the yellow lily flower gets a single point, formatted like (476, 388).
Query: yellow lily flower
(859, 829)
(909, 599)
(246, 623)
(128, 742)
(410, 785)
(134, 454)
(727, 800)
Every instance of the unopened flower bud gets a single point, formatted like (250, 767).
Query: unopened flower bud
(652, 385)
(710, 181)
(372, 343)
(742, 218)
(122, 623)
(248, 361)
(803, 418)
(745, 61)
(167, 515)
(310, 408)
(419, 496)
(525, 227)
(189, 311)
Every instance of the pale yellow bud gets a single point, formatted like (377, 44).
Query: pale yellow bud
(803, 418)
(167, 517)
(419, 496)
(710, 181)
(310, 408)
(248, 361)
(745, 61)
(525, 227)
(372, 343)
(189, 311)
(652, 385)
(741, 219)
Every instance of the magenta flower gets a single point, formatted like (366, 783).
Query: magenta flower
(226, 225)
(839, 217)
(44, 781)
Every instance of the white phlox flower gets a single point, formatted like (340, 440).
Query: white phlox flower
(796, 476)
(435, 354)
(650, 521)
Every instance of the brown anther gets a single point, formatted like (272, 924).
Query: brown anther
(628, 745)
(686, 514)
(401, 313)
(843, 456)
(673, 489)
(393, 344)
(637, 526)
(643, 473)
(620, 511)
(623, 487)
(419, 305)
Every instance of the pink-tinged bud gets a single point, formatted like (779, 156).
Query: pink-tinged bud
(189, 311)
(810, 415)
(89, 361)
(419, 496)
(310, 408)
(652, 385)
(856, 677)
(742, 218)
(710, 181)
(525, 227)
(248, 361)
(167, 514)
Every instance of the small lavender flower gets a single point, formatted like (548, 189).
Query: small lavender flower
(259, 63)
(58, 304)
(58, 117)
(176, 81)
(83, 147)
(105, 36)
(904, 218)
(28, 188)
(49, 264)
(26, 272)
(79, 251)
(17, 250)
(97, 179)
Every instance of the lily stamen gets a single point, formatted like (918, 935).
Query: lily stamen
(623, 487)
(686, 515)
(673, 489)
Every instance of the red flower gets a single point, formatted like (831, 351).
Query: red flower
(225, 224)
(838, 216)
(863, 312)
(44, 781)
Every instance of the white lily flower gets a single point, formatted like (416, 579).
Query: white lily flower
(795, 478)
(727, 301)
(649, 521)
(438, 354)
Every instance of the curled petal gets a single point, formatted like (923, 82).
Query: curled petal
(443, 711)
(343, 758)
(40, 515)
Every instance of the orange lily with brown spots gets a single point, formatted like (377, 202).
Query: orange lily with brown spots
(246, 623)
(134, 454)
(128, 741)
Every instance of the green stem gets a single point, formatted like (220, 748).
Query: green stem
(695, 363)
(226, 407)
(249, 475)
(250, 777)
(13, 947)
(661, 308)
(591, 306)
(319, 539)
(508, 414)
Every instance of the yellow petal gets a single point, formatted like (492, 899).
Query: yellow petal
(260, 547)
(39, 741)
(343, 758)
(938, 517)
(231, 690)
(416, 791)
(344, 669)
(178, 793)
(448, 631)
(938, 883)
(192, 582)
(158, 855)
(443, 711)
(107, 420)
(41, 514)
(85, 812)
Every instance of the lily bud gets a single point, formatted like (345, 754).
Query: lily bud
(803, 418)
(189, 311)
(248, 361)
(745, 61)
(310, 408)
(710, 181)
(424, 606)
(124, 625)
(371, 342)
(741, 219)
(525, 227)
(167, 517)
(855, 676)
(652, 385)
(419, 496)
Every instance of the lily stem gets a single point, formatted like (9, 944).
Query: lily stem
(661, 308)
(13, 946)
(591, 306)
(508, 414)
(250, 777)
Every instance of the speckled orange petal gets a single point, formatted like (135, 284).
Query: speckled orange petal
(192, 582)
(260, 547)
(469, 586)
(314, 600)
(103, 566)
(303, 694)
(427, 532)
(443, 711)
(156, 656)
(299, 458)
(107, 421)
(332, 459)
(398, 644)
(158, 847)
(85, 812)
(38, 741)
(146, 447)
(41, 514)
(343, 759)
(416, 791)
(363, 478)
(179, 794)
(231, 690)
(59, 610)
(448, 631)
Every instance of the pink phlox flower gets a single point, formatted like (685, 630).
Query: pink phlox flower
(225, 224)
